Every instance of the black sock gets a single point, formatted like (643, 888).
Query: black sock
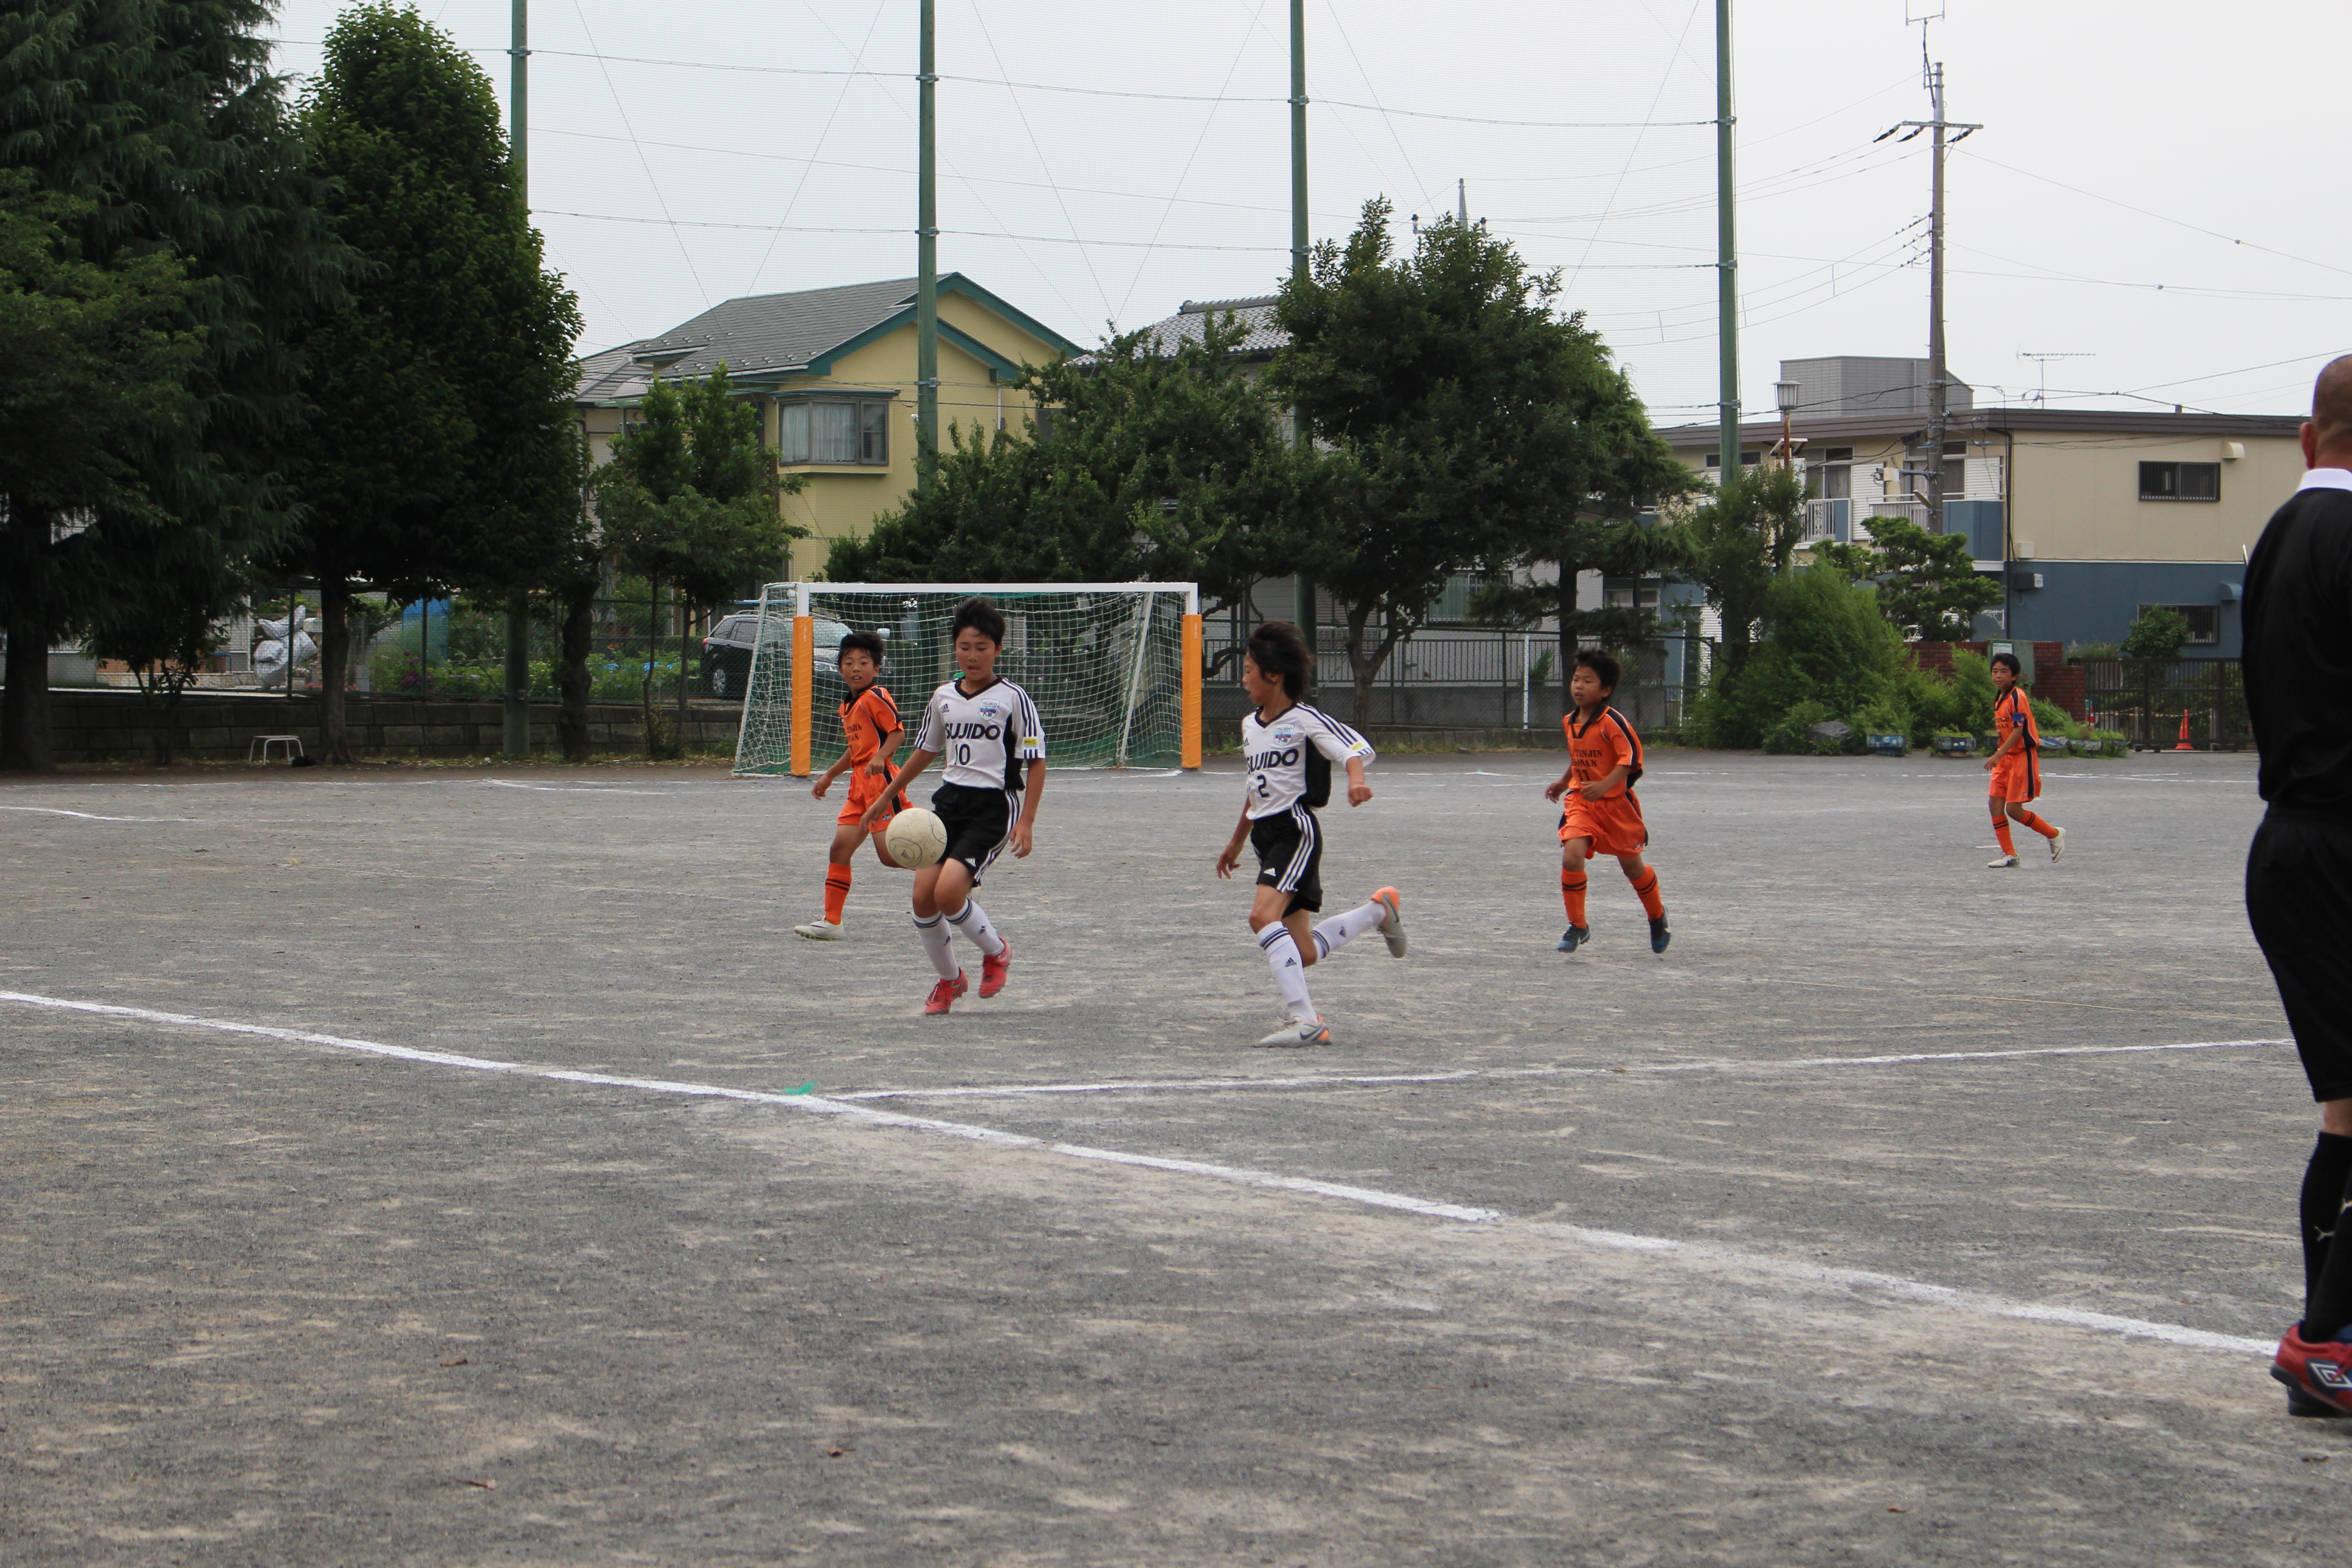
(2324, 1182)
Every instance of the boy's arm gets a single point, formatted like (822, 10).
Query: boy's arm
(1232, 852)
(1606, 782)
(1359, 791)
(883, 752)
(1031, 793)
(917, 762)
(1559, 786)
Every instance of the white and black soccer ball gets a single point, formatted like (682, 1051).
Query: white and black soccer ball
(916, 839)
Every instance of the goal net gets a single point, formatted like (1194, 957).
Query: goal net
(1114, 668)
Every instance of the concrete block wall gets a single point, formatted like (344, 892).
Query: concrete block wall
(97, 726)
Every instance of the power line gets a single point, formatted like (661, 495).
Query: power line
(622, 110)
(1635, 150)
(839, 99)
(1059, 199)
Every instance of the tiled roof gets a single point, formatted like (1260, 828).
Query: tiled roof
(613, 373)
(1254, 316)
(776, 331)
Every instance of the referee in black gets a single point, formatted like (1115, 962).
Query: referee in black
(2298, 670)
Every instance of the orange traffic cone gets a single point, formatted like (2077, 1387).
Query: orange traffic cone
(2184, 745)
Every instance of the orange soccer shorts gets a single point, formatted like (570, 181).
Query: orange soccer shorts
(864, 789)
(2016, 778)
(1614, 824)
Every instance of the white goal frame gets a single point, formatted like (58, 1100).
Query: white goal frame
(803, 649)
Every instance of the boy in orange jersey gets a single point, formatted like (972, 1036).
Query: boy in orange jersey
(869, 724)
(2015, 764)
(1600, 814)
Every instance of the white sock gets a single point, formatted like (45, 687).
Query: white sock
(934, 932)
(972, 921)
(1282, 955)
(1336, 933)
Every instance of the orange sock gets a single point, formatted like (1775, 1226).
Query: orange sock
(2000, 833)
(2027, 819)
(1645, 888)
(1572, 893)
(836, 891)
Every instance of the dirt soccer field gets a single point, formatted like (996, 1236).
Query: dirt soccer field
(408, 1167)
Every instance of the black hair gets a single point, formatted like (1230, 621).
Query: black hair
(1603, 665)
(865, 642)
(981, 616)
(2016, 668)
(1279, 651)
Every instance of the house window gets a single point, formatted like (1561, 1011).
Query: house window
(821, 430)
(2181, 482)
(1830, 476)
(1462, 590)
(1715, 459)
(2204, 620)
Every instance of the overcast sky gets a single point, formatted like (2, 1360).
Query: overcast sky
(2156, 186)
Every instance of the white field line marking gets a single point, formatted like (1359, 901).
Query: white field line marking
(1194, 1084)
(810, 1103)
(571, 789)
(1901, 1289)
(92, 816)
(1893, 1285)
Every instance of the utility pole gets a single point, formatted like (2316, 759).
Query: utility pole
(1462, 203)
(1727, 249)
(517, 712)
(1939, 376)
(927, 261)
(1297, 139)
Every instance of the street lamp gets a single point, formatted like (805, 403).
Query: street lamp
(1786, 393)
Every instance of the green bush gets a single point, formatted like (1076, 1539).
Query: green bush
(1826, 646)
(1789, 737)
(2160, 632)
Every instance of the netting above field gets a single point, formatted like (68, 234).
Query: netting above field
(1105, 665)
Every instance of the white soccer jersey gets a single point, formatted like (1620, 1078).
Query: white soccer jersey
(981, 737)
(1277, 754)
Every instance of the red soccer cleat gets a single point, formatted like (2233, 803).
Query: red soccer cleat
(992, 968)
(944, 994)
(2322, 1372)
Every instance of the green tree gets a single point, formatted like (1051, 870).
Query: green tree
(1827, 652)
(2160, 632)
(1162, 467)
(1466, 417)
(1929, 581)
(159, 122)
(1737, 545)
(442, 451)
(690, 497)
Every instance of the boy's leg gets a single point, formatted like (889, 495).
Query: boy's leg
(1573, 882)
(1278, 941)
(1645, 885)
(1337, 932)
(2001, 827)
(963, 913)
(2022, 815)
(837, 871)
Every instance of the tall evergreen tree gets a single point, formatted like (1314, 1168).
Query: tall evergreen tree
(442, 452)
(160, 121)
(1473, 420)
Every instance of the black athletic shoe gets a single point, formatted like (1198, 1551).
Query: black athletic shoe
(2298, 1403)
(1573, 937)
(1659, 934)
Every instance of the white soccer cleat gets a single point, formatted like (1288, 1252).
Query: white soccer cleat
(2001, 863)
(1392, 923)
(819, 930)
(1300, 1032)
(2057, 843)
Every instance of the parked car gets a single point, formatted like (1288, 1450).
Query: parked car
(727, 654)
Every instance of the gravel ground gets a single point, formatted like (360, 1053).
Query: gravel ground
(1904, 1211)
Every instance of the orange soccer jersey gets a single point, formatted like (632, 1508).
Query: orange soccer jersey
(866, 720)
(1596, 746)
(2017, 775)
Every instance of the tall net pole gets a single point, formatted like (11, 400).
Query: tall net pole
(517, 711)
(927, 261)
(1726, 249)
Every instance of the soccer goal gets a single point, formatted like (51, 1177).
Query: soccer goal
(1114, 668)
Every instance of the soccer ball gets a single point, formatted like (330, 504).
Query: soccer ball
(916, 839)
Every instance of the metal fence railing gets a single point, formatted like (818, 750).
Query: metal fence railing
(1495, 680)
(2146, 700)
(456, 651)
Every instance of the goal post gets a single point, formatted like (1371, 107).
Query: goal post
(1114, 668)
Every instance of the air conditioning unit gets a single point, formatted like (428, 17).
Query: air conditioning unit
(2025, 579)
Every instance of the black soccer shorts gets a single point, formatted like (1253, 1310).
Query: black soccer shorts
(979, 823)
(1289, 848)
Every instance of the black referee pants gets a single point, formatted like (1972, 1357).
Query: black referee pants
(2299, 898)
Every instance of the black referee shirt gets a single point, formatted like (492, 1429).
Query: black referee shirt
(2298, 653)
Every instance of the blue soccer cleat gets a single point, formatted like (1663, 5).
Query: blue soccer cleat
(1573, 937)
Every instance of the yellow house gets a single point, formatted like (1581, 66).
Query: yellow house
(833, 371)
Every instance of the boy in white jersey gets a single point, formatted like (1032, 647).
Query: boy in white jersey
(983, 726)
(1289, 748)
